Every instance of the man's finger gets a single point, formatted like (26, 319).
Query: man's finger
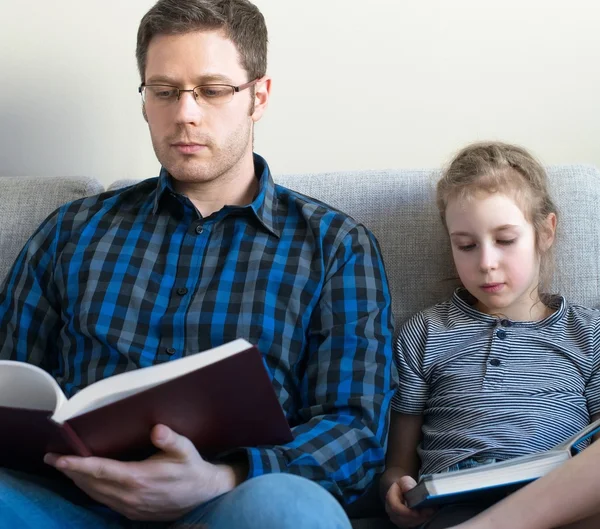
(172, 443)
(93, 467)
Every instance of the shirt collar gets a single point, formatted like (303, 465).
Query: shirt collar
(265, 203)
(462, 300)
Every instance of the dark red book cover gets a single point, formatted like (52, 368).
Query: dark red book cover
(228, 404)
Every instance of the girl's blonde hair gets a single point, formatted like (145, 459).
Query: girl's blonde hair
(495, 167)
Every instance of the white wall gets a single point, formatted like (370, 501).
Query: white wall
(357, 84)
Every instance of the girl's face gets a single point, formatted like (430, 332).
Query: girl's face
(495, 254)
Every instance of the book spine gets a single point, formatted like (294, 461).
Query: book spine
(73, 440)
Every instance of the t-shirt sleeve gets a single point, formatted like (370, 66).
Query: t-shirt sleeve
(413, 390)
(592, 388)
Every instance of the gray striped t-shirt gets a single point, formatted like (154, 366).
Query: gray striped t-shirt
(491, 387)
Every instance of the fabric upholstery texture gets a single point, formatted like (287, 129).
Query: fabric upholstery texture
(26, 201)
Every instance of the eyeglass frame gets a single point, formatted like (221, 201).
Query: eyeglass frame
(236, 89)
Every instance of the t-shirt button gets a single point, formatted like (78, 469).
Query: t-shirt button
(501, 333)
(170, 350)
(506, 323)
(182, 291)
(495, 362)
(199, 229)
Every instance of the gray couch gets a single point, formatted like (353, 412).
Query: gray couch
(397, 205)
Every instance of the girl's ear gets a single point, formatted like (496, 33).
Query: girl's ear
(548, 232)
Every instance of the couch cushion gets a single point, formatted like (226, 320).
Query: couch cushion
(26, 201)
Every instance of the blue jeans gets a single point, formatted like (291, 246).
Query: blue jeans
(267, 502)
(471, 462)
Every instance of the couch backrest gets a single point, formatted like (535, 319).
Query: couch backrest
(397, 205)
(26, 201)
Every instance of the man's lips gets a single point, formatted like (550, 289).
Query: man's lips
(188, 148)
(492, 287)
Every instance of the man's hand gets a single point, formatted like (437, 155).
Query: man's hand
(164, 487)
(396, 509)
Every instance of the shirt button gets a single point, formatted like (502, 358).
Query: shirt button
(506, 323)
(199, 229)
(501, 333)
(495, 362)
(170, 350)
(182, 291)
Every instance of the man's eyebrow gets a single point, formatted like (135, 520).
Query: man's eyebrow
(203, 79)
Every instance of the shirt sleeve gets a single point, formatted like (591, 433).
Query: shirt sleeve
(413, 390)
(592, 388)
(349, 379)
(28, 306)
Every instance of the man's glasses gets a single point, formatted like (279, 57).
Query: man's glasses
(162, 95)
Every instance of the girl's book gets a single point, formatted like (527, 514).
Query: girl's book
(220, 399)
(496, 479)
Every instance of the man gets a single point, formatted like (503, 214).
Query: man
(210, 251)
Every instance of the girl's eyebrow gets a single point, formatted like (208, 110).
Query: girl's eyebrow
(499, 228)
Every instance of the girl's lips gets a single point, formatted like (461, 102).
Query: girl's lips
(492, 287)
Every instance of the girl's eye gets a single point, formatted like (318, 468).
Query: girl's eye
(506, 242)
(466, 247)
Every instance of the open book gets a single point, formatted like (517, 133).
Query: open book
(220, 399)
(495, 479)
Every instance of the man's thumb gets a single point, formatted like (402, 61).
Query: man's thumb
(168, 441)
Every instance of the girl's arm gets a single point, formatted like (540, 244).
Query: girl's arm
(401, 459)
(402, 468)
(568, 494)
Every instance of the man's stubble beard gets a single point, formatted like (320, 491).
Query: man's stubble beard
(221, 160)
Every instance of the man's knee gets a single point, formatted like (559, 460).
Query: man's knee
(289, 501)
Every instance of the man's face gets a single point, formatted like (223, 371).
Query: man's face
(194, 141)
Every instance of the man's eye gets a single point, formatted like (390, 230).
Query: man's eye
(164, 92)
(214, 92)
(506, 242)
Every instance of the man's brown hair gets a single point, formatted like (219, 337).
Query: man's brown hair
(240, 21)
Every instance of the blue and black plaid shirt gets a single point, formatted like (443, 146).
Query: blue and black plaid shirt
(136, 277)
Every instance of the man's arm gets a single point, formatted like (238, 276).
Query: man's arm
(348, 382)
(28, 306)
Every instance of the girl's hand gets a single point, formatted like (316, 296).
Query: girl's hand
(397, 510)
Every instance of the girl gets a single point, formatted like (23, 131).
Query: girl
(502, 369)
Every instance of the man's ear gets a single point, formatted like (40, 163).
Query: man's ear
(262, 91)
(548, 233)
(144, 113)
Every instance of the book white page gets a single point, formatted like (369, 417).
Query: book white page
(123, 385)
(513, 470)
(27, 386)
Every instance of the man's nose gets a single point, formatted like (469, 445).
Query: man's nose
(188, 110)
